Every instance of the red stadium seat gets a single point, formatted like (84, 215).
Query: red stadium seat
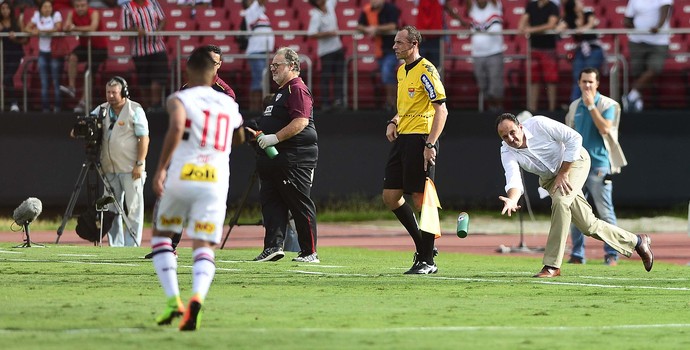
(347, 17)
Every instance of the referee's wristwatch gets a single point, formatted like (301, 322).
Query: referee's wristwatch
(139, 163)
(430, 145)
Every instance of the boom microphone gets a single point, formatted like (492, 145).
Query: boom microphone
(28, 211)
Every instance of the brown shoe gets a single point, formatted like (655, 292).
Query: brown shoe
(644, 250)
(575, 260)
(548, 272)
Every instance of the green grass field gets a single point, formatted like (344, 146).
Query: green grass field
(76, 297)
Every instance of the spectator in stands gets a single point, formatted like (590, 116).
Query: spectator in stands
(430, 17)
(379, 20)
(588, 52)
(47, 21)
(596, 117)
(647, 51)
(13, 51)
(486, 16)
(84, 19)
(192, 4)
(541, 16)
(323, 26)
(259, 45)
(20, 5)
(148, 51)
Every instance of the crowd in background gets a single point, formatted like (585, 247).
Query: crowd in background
(377, 20)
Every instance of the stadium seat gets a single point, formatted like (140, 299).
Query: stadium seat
(347, 17)
(461, 87)
(408, 16)
(461, 45)
(512, 12)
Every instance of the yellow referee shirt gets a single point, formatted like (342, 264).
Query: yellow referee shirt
(418, 86)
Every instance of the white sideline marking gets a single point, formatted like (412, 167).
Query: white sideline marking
(10, 252)
(330, 274)
(365, 330)
(99, 263)
(575, 284)
(485, 328)
(324, 266)
(468, 279)
(82, 255)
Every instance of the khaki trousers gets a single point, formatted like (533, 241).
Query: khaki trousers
(574, 208)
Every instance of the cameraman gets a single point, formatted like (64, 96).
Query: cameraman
(123, 155)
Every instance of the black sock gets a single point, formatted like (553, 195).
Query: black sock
(639, 241)
(426, 254)
(176, 240)
(406, 217)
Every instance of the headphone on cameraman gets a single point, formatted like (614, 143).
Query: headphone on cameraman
(125, 91)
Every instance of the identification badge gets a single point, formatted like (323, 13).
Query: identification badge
(193, 172)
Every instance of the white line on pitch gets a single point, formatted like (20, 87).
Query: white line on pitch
(81, 255)
(329, 274)
(99, 263)
(574, 284)
(9, 252)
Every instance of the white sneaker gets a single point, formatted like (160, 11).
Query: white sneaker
(69, 91)
(311, 258)
(79, 108)
(14, 108)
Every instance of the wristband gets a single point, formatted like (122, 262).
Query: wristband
(392, 121)
(591, 107)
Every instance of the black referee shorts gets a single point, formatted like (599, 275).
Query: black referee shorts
(405, 167)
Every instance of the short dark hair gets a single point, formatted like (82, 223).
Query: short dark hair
(589, 70)
(413, 35)
(215, 49)
(200, 60)
(507, 116)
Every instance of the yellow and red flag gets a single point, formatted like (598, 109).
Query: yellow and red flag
(429, 221)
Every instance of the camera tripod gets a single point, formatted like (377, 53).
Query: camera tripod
(90, 165)
(243, 201)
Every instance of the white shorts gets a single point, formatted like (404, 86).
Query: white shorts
(200, 209)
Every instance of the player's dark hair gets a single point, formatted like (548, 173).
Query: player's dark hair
(507, 116)
(200, 60)
(215, 49)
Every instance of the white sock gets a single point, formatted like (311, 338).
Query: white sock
(634, 95)
(165, 264)
(203, 271)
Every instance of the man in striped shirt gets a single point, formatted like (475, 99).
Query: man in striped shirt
(148, 51)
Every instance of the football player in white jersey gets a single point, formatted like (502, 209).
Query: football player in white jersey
(192, 183)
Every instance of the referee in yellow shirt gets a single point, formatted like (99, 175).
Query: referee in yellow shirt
(414, 132)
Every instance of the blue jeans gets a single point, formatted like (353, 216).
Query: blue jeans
(601, 193)
(580, 62)
(257, 65)
(389, 68)
(45, 60)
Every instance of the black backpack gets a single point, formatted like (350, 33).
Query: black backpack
(88, 223)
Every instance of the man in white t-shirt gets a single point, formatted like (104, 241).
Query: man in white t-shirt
(323, 26)
(487, 50)
(261, 43)
(647, 51)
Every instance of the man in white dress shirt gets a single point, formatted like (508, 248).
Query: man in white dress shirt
(554, 152)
